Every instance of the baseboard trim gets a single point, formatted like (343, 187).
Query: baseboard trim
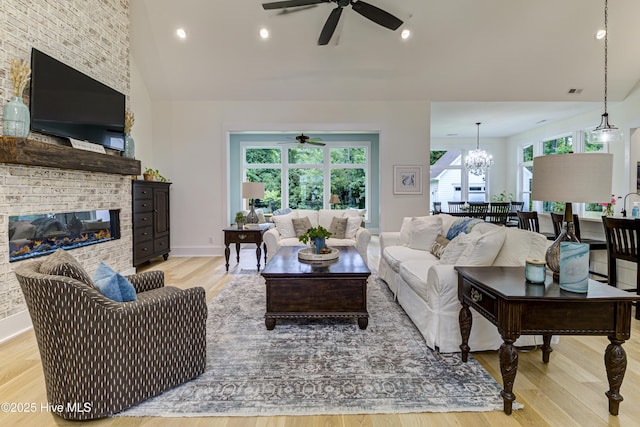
(14, 325)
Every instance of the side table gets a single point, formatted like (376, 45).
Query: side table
(246, 235)
(502, 295)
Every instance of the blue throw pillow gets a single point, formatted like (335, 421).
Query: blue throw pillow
(113, 285)
(462, 225)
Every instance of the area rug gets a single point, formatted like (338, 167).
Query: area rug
(322, 366)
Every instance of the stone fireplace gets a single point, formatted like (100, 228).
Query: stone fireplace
(36, 190)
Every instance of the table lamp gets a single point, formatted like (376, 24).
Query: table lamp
(252, 191)
(567, 178)
(334, 200)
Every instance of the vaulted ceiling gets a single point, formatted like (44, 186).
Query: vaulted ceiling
(465, 56)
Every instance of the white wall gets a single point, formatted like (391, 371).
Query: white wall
(190, 148)
(140, 105)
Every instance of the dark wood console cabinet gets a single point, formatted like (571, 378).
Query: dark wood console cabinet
(150, 220)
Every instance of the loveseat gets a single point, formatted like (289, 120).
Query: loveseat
(284, 233)
(417, 263)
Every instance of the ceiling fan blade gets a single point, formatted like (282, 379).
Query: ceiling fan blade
(322, 144)
(297, 9)
(330, 26)
(291, 3)
(376, 14)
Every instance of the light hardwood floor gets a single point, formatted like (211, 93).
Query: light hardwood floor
(569, 391)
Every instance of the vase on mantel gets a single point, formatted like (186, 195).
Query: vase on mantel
(16, 118)
(129, 146)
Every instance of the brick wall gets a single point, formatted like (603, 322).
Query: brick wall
(93, 37)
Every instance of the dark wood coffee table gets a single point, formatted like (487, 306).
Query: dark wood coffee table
(502, 295)
(325, 289)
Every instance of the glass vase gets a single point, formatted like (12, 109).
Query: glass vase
(129, 146)
(16, 118)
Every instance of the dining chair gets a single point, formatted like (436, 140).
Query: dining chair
(621, 235)
(528, 221)
(498, 212)
(455, 207)
(512, 216)
(478, 210)
(437, 208)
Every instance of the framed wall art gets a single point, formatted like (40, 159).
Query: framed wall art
(407, 179)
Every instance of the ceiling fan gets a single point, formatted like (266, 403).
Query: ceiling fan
(305, 139)
(367, 10)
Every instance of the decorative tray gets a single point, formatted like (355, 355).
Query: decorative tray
(309, 255)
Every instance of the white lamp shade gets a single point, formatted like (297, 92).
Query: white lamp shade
(574, 177)
(252, 190)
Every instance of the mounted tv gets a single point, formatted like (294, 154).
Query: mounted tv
(67, 103)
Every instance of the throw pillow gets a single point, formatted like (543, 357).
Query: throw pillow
(61, 263)
(438, 247)
(454, 249)
(353, 225)
(325, 216)
(284, 225)
(338, 228)
(462, 225)
(405, 231)
(301, 225)
(281, 211)
(113, 285)
(483, 248)
(424, 231)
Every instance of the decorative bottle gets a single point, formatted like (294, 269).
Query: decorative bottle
(129, 146)
(16, 118)
(635, 211)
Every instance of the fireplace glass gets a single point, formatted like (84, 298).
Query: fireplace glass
(35, 235)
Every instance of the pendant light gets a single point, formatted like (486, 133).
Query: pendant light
(478, 161)
(605, 132)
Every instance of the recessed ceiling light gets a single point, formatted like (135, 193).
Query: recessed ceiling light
(600, 34)
(405, 34)
(264, 33)
(181, 33)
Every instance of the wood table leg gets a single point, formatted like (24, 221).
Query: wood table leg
(546, 348)
(258, 253)
(615, 360)
(264, 249)
(227, 252)
(237, 252)
(465, 320)
(270, 323)
(508, 367)
(363, 322)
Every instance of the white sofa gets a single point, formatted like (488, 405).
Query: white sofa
(427, 287)
(283, 234)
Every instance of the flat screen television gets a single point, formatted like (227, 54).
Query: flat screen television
(67, 103)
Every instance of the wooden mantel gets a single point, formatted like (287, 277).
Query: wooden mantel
(30, 152)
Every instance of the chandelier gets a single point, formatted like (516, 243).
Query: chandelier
(605, 132)
(478, 161)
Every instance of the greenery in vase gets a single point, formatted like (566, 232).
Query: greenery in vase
(240, 218)
(129, 120)
(502, 197)
(156, 174)
(19, 74)
(314, 233)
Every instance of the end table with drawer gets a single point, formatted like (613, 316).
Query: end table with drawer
(502, 295)
(246, 235)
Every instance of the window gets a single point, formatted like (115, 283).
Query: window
(526, 176)
(449, 182)
(305, 178)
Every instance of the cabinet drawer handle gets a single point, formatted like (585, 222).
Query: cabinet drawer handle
(144, 205)
(242, 236)
(475, 296)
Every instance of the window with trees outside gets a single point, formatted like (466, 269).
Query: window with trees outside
(305, 178)
(449, 182)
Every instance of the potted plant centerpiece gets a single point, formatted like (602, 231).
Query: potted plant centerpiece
(317, 235)
(240, 220)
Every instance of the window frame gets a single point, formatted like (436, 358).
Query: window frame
(326, 166)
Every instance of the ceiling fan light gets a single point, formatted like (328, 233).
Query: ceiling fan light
(264, 33)
(406, 33)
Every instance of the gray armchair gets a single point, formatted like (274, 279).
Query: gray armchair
(99, 356)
